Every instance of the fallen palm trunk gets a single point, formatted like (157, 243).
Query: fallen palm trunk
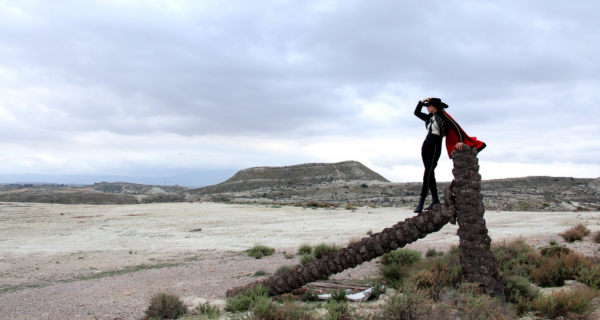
(367, 249)
(478, 263)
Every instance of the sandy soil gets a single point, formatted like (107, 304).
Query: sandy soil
(81, 261)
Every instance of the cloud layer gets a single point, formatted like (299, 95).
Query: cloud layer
(141, 87)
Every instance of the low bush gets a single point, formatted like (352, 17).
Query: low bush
(576, 233)
(404, 257)
(309, 295)
(553, 242)
(259, 250)
(244, 300)
(337, 310)
(370, 232)
(572, 305)
(515, 257)
(412, 304)
(597, 238)
(554, 250)
(339, 295)
(554, 270)
(264, 309)
(307, 258)
(431, 252)
(211, 312)
(165, 306)
(259, 273)
(305, 248)
(282, 269)
(325, 249)
(473, 305)
(520, 292)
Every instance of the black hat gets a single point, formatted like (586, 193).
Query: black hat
(436, 102)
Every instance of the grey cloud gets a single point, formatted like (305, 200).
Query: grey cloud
(262, 68)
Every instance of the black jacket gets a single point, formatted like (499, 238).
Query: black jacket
(444, 122)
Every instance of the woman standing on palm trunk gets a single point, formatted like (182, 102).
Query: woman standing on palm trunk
(439, 124)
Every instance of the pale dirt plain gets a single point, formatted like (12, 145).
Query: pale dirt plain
(104, 262)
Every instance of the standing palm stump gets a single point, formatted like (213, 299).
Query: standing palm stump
(476, 258)
(478, 263)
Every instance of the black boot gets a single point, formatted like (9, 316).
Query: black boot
(435, 200)
(420, 205)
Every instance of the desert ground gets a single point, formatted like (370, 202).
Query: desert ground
(105, 261)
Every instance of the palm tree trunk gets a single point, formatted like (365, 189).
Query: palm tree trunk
(478, 263)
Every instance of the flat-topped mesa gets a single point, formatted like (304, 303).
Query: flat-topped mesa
(297, 175)
(463, 201)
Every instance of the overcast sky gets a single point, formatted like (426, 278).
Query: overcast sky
(153, 88)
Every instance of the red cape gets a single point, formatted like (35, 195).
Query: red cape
(452, 139)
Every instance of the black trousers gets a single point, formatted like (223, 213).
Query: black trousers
(430, 153)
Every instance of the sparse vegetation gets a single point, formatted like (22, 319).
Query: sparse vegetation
(259, 251)
(282, 269)
(305, 248)
(576, 233)
(196, 230)
(259, 273)
(553, 242)
(339, 295)
(575, 304)
(165, 306)
(309, 296)
(307, 258)
(337, 310)
(206, 309)
(370, 232)
(325, 249)
(597, 238)
(244, 300)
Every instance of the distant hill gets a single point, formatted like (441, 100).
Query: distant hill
(302, 175)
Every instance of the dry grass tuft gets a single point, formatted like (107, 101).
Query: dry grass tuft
(165, 306)
(576, 233)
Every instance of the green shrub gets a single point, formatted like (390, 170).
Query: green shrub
(259, 250)
(165, 306)
(473, 305)
(370, 232)
(307, 258)
(566, 304)
(393, 275)
(554, 270)
(412, 304)
(325, 249)
(431, 252)
(259, 273)
(516, 257)
(520, 292)
(212, 312)
(309, 296)
(403, 257)
(264, 309)
(590, 275)
(597, 238)
(339, 295)
(244, 300)
(553, 242)
(304, 249)
(337, 310)
(554, 250)
(282, 269)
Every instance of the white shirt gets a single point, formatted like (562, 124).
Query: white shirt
(433, 127)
